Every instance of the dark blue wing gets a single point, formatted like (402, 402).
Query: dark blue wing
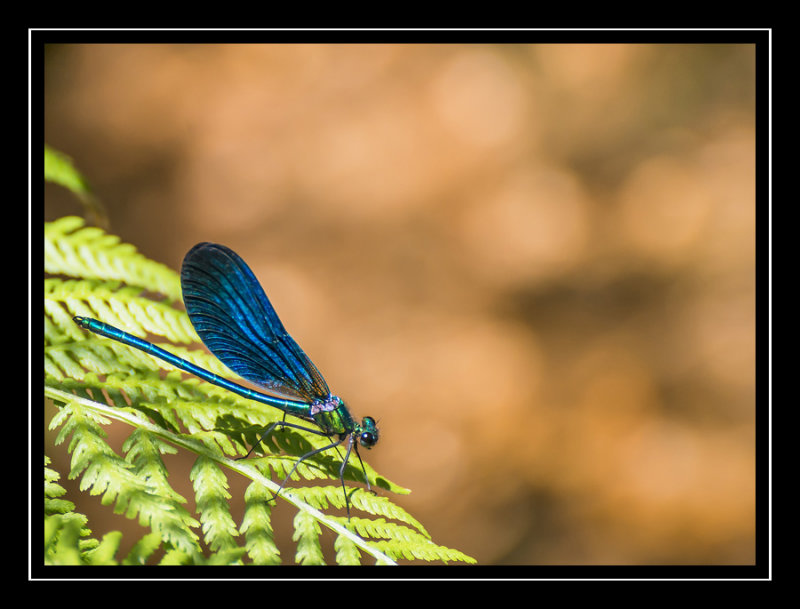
(231, 313)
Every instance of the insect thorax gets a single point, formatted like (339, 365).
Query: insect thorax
(332, 416)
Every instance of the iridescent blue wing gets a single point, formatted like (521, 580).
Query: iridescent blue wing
(232, 315)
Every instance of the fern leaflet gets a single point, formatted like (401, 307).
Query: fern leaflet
(95, 381)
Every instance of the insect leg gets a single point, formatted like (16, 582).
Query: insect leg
(283, 424)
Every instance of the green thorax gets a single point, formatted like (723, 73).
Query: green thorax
(332, 416)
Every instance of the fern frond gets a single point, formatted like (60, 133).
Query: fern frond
(424, 550)
(306, 534)
(173, 557)
(52, 490)
(66, 536)
(58, 168)
(103, 554)
(257, 526)
(211, 490)
(67, 540)
(346, 552)
(143, 452)
(323, 496)
(143, 549)
(103, 472)
(62, 539)
(230, 556)
(88, 252)
(95, 380)
(117, 304)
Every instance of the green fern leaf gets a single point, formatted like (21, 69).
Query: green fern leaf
(306, 534)
(58, 168)
(346, 551)
(174, 557)
(103, 554)
(77, 251)
(62, 537)
(66, 537)
(211, 490)
(143, 453)
(143, 549)
(103, 472)
(52, 490)
(257, 526)
(230, 556)
(95, 381)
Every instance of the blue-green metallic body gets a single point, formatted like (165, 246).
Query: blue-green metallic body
(331, 415)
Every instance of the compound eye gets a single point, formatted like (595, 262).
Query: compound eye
(367, 439)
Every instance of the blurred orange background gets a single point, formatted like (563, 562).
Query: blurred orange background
(534, 264)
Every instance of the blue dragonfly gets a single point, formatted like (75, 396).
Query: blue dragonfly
(236, 321)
